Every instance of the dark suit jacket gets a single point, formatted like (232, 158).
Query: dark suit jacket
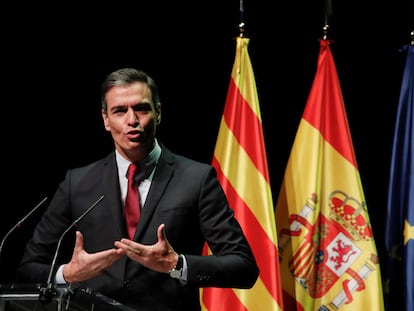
(185, 195)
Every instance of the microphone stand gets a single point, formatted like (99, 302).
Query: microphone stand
(46, 293)
(19, 223)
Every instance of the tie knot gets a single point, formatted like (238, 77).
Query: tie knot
(133, 170)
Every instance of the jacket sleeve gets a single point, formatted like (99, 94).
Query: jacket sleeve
(232, 263)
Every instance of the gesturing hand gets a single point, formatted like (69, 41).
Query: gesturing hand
(159, 257)
(84, 266)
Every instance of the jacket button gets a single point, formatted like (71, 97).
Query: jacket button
(127, 283)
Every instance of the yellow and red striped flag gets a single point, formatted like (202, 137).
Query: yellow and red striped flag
(241, 164)
(328, 255)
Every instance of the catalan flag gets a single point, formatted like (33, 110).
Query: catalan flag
(241, 164)
(328, 255)
(399, 232)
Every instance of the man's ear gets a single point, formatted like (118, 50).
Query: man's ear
(158, 113)
(105, 120)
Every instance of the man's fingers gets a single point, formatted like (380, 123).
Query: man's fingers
(79, 242)
(134, 250)
(129, 246)
(161, 233)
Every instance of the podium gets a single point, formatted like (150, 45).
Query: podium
(30, 297)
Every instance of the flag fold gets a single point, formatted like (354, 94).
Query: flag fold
(328, 255)
(241, 164)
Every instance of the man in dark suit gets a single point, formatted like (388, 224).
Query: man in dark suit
(161, 267)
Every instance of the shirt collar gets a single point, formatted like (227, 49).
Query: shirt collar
(146, 165)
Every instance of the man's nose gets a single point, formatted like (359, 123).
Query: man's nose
(132, 117)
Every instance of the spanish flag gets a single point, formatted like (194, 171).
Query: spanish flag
(241, 164)
(328, 257)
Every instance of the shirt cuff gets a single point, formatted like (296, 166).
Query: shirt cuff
(59, 279)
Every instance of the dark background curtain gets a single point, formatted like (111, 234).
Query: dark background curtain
(55, 56)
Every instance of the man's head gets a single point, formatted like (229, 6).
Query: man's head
(131, 111)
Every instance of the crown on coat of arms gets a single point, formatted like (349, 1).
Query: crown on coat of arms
(350, 214)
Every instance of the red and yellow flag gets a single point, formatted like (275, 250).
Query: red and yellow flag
(328, 255)
(241, 164)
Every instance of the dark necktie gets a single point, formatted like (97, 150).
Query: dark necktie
(132, 205)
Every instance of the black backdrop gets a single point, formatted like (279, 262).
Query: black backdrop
(55, 56)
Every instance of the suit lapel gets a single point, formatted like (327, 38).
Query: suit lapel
(162, 175)
(113, 203)
(112, 192)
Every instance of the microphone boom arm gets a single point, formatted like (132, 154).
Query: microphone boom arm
(19, 223)
(49, 279)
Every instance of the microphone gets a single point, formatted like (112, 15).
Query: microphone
(46, 293)
(16, 226)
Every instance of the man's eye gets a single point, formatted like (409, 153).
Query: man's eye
(119, 110)
(142, 107)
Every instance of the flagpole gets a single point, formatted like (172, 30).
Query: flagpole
(242, 25)
(328, 13)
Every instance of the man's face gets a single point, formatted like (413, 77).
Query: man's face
(131, 118)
